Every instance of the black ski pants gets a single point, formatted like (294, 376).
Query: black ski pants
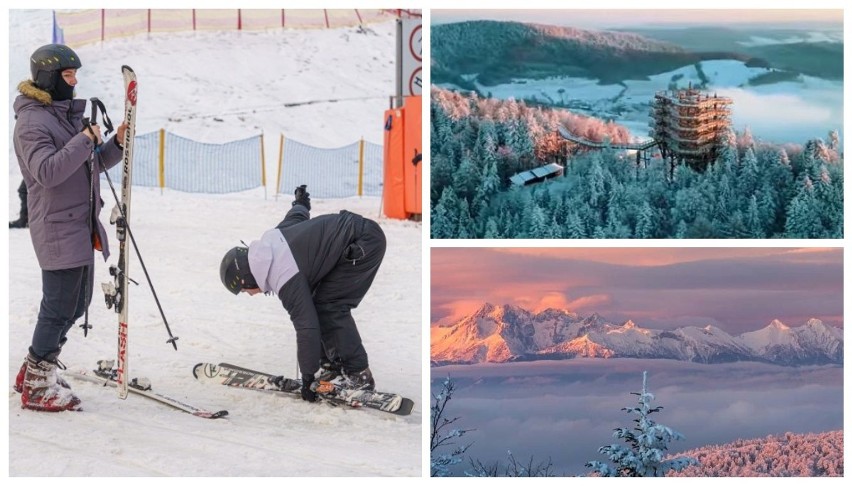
(65, 296)
(342, 290)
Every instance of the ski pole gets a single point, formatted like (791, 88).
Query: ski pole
(172, 339)
(87, 123)
(96, 103)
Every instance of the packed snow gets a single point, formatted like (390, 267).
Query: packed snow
(218, 87)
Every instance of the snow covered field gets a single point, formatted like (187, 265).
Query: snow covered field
(813, 105)
(217, 87)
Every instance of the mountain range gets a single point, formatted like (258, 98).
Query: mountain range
(499, 334)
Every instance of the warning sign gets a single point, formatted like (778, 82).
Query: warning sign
(415, 83)
(410, 50)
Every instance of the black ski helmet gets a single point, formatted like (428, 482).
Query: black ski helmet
(48, 62)
(235, 272)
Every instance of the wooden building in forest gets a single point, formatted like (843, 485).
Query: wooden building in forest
(689, 125)
(539, 174)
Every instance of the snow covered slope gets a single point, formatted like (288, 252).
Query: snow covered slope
(188, 82)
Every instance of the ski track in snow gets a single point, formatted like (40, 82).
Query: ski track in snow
(183, 237)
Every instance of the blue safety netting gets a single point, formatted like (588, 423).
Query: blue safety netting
(192, 166)
(330, 173)
(145, 162)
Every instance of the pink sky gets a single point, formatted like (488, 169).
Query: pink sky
(737, 289)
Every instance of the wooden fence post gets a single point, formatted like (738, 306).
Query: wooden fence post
(162, 168)
(263, 166)
(361, 168)
(280, 164)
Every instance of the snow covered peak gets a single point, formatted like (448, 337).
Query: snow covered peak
(813, 322)
(484, 310)
(551, 312)
(776, 324)
(629, 324)
(594, 320)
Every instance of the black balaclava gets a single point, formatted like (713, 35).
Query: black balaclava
(62, 91)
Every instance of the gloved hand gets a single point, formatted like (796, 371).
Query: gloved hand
(307, 393)
(302, 197)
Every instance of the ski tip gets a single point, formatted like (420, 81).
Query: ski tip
(212, 415)
(126, 68)
(405, 407)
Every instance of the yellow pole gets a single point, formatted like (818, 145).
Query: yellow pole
(162, 159)
(262, 166)
(280, 163)
(361, 168)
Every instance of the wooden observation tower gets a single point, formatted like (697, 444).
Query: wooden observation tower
(689, 125)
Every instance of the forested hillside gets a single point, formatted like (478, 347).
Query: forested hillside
(476, 138)
(784, 455)
(753, 190)
(497, 52)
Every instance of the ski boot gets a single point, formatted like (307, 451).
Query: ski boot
(362, 380)
(19, 380)
(41, 390)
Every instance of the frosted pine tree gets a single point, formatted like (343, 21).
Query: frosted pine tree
(647, 444)
(445, 215)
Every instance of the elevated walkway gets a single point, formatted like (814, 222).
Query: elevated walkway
(601, 145)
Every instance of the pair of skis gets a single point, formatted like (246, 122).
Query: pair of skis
(239, 377)
(116, 292)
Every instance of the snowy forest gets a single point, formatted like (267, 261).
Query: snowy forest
(753, 190)
(783, 455)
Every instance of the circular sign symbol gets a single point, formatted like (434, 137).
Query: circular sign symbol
(416, 82)
(415, 43)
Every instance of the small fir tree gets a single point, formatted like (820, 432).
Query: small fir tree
(647, 444)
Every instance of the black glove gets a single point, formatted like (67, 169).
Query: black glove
(308, 394)
(303, 197)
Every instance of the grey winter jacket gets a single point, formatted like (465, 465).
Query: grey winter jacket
(292, 259)
(64, 202)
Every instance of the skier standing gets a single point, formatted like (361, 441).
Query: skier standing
(320, 269)
(60, 165)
